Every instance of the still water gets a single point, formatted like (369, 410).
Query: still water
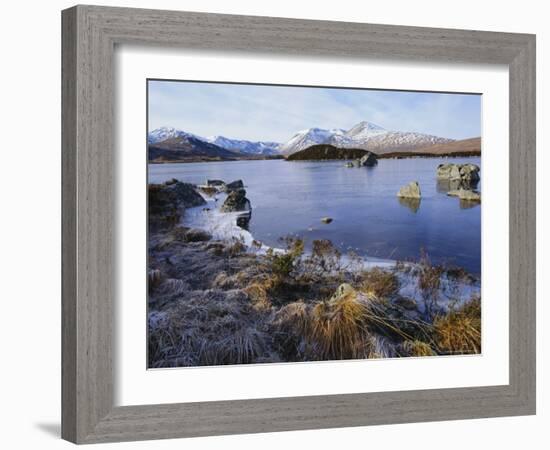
(290, 198)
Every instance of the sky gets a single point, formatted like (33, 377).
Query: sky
(276, 113)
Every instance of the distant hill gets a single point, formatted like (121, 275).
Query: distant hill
(170, 144)
(246, 147)
(165, 139)
(465, 147)
(324, 152)
(187, 147)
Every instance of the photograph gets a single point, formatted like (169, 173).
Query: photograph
(290, 224)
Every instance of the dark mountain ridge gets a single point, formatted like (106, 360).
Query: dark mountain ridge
(325, 152)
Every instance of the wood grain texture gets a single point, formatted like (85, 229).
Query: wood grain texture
(89, 37)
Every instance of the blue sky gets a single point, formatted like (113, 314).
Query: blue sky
(276, 113)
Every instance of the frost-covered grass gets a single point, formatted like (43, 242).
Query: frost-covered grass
(224, 302)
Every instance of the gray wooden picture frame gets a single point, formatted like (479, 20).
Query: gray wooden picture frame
(90, 34)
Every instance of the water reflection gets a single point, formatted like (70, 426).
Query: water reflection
(443, 185)
(412, 203)
(468, 204)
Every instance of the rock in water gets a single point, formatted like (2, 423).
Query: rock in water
(466, 195)
(465, 175)
(236, 201)
(411, 190)
(234, 185)
(167, 202)
(368, 160)
(326, 220)
(349, 164)
(469, 173)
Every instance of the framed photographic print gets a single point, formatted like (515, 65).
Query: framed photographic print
(268, 230)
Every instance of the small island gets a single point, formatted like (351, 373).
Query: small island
(327, 152)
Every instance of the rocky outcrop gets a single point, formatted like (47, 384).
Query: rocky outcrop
(368, 160)
(458, 175)
(466, 195)
(234, 185)
(167, 202)
(236, 201)
(411, 190)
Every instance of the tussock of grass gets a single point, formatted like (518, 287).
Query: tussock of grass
(415, 348)
(338, 329)
(459, 331)
(429, 280)
(282, 264)
(289, 328)
(237, 247)
(258, 295)
(325, 258)
(287, 306)
(344, 327)
(222, 330)
(378, 282)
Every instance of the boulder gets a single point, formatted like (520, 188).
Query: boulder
(469, 173)
(326, 220)
(236, 201)
(411, 190)
(234, 185)
(368, 160)
(167, 202)
(448, 171)
(466, 195)
(465, 175)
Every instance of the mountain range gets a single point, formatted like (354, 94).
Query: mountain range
(168, 143)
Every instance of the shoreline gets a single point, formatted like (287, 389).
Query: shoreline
(218, 296)
(223, 228)
(393, 155)
(213, 302)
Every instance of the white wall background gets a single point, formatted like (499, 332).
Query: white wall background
(30, 224)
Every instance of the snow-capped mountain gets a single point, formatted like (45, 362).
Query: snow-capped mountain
(364, 135)
(364, 131)
(307, 138)
(165, 133)
(170, 144)
(244, 146)
(236, 145)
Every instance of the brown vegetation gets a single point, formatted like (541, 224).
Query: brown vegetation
(291, 306)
